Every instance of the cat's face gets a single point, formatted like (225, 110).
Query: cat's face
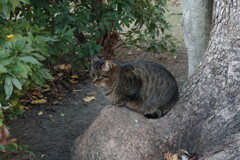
(104, 73)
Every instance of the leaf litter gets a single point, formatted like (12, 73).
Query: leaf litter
(89, 98)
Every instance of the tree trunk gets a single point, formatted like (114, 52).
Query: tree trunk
(205, 120)
(197, 17)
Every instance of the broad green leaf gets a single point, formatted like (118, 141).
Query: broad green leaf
(29, 59)
(8, 80)
(14, 4)
(21, 70)
(37, 78)
(16, 83)
(44, 38)
(25, 1)
(47, 76)
(44, 70)
(8, 89)
(70, 31)
(4, 1)
(4, 54)
(19, 44)
(6, 9)
(5, 62)
(42, 50)
(39, 56)
(3, 69)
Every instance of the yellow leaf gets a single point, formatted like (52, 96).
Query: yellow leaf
(40, 113)
(10, 36)
(21, 107)
(39, 101)
(74, 77)
(88, 99)
(92, 93)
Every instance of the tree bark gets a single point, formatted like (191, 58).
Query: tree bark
(197, 17)
(205, 120)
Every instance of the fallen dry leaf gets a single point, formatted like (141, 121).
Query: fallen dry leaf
(46, 88)
(39, 101)
(40, 113)
(88, 99)
(83, 71)
(59, 74)
(92, 93)
(72, 81)
(74, 77)
(65, 67)
(55, 102)
(129, 52)
(36, 93)
(26, 108)
(77, 90)
(60, 96)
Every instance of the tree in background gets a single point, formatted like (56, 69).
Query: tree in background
(197, 21)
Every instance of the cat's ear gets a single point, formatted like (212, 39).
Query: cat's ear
(108, 65)
(94, 59)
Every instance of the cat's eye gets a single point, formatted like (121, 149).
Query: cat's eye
(101, 77)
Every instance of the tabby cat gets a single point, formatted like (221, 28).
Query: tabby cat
(143, 86)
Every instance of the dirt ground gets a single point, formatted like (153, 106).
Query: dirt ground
(51, 135)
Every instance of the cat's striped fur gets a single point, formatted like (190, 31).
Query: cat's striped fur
(143, 86)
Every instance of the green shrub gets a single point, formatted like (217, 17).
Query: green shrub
(92, 27)
(21, 62)
(23, 49)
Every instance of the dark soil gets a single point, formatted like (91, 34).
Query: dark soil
(51, 135)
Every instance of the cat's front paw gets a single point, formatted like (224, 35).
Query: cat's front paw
(118, 104)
